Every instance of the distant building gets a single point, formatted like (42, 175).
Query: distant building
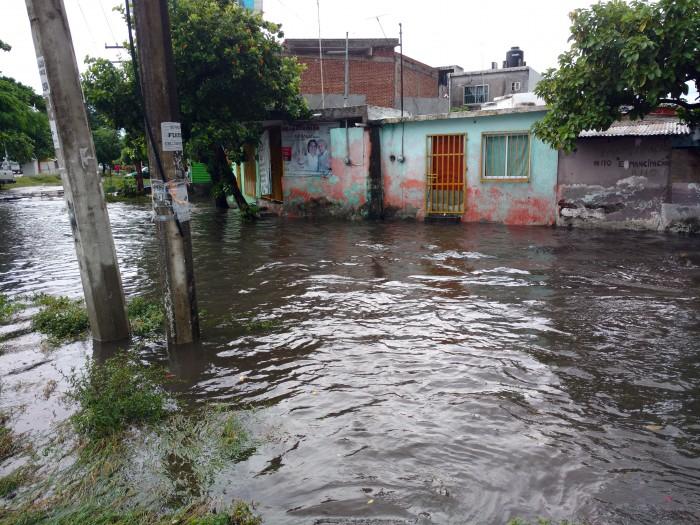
(473, 88)
(374, 71)
(253, 5)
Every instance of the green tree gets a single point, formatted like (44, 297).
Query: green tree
(24, 126)
(230, 74)
(110, 95)
(108, 145)
(625, 57)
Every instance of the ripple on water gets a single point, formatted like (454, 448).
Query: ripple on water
(463, 374)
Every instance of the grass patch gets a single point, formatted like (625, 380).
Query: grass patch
(541, 521)
(115, 395)
(60, 318)
(96, 513)
(8, 445)
(36, 180)
(147, 318)
(8, 308)
(11, 482)
(261, 325)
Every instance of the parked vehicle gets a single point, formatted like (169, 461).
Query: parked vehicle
(7, 176)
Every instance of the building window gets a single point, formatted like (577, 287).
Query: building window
(505, 156)
(515, 87)
(476, 94)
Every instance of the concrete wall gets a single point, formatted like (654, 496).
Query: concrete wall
(615, 182)
(524, 203)
(498, 80)
(344, 192)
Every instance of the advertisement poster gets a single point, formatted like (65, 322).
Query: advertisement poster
(306, 150)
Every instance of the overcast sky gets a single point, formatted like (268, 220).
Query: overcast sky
(443, 32)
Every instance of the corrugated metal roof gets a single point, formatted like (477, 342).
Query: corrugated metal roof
(641, 128)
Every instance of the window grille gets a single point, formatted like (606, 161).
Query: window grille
(476, 94)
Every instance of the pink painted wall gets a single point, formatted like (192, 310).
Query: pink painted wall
(344, 192)
(517, 203)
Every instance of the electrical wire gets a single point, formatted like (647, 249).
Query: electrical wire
(104, 15)
(87, 24)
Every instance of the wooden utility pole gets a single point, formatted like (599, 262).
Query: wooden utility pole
(157, 78)
(82, 186)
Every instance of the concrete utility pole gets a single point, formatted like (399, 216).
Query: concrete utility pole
(157, 76)
(94, 245)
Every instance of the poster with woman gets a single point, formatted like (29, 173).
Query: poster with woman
(306, 150)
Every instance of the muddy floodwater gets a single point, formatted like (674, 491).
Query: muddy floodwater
(413, 373)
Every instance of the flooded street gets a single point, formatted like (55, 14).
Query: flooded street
(417, 373)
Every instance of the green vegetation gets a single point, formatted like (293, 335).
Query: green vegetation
(11, 482)
(146, 317)
(24, 126)
(36, 180)
(60, 318)
(239, 53)
(115, 395)
(541, 521)
(261, 325)
(8, 444)
(624, 56)
(136, 462)
(8, 308)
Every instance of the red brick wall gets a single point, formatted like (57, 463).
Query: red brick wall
(376, 77)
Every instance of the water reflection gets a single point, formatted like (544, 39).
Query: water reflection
(447, 373)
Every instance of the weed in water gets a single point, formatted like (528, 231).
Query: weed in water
(146, 317)
(8, 443)
(114, 395)
(261, 325)
(541, 521)
(60, 318)
(8, 309)
(10, 483)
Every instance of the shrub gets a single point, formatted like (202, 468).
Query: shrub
(146, 317)
(61, 318)
(11, 482)
(114, 395)
(8, 445)
(8, 308)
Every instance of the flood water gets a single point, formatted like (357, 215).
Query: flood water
(413, 373)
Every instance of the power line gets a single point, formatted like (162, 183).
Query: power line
(104, 15)
(87, 24)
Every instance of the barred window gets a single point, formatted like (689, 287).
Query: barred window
(505, 156)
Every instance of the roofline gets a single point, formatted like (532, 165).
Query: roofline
(466, 114)
(490, 71)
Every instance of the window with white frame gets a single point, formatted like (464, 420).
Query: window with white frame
(476, 94)
(505, 156)
(514, 87)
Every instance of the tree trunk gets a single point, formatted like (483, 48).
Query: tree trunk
(139, 176)
(222, 172)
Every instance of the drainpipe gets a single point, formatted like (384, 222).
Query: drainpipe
(346, 95)
(403, 126)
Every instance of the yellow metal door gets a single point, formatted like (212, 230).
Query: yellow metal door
(446, 174)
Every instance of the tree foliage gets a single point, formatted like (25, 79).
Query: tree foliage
(111, 97)
(230, 72)
(625, 57)
(24, 126)
(108, 145)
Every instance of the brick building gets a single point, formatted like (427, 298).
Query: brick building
(374, 71)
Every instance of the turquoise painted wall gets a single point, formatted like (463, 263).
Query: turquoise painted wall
(532, 202)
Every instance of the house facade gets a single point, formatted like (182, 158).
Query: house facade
(476, 166)
(642, 174)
